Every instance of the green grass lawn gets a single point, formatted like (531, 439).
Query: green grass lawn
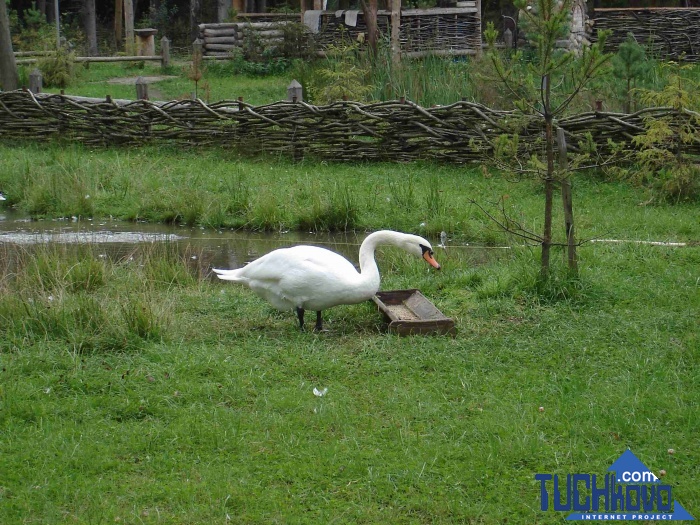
(143, 392)
(102, 79)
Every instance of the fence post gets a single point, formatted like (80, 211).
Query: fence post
(141, 89)
(197, 50)
(395, 31)
(508, 38)
(295, 92)
(164, 52)
(35, 81)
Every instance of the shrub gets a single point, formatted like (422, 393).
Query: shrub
(341, 75)
(58, 69)
(663, 164)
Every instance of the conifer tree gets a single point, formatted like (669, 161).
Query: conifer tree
(629, 64)
(551, 81)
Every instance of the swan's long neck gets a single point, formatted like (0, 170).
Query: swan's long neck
(368, 266)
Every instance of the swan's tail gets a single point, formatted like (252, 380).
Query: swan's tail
(227, 275)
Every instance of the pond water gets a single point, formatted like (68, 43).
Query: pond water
(211, 248)
(219, 248)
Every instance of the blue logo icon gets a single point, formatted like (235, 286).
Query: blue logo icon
(629, 492)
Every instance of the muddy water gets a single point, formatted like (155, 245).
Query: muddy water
(207, 248)
(117, 239)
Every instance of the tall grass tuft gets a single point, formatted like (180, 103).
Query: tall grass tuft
(59, 267)
(339, 212)
(163, 265)
(268, 213)
(428, 81)
(75, 295)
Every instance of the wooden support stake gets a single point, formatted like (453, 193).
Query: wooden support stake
(396, 31)
(35, 81)
(508, 38)
(141, 89)
(295, 92)
(165, 52)
(567, 202)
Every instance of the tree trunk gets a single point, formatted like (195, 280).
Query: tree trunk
(548, 182)
(118, 22)
(41, 6)
(49, 9)
(370, 14)
(129, 43)
(195, 12)
(8, 66)
(222, 8)
(548, 205)
(90, 24)
(568, 203)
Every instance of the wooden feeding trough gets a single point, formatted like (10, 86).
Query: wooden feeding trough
(409, 312)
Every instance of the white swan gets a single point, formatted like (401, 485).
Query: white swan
(313, 278)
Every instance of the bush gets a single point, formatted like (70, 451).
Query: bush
(58, 69)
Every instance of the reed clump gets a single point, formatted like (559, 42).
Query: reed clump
(78, 296)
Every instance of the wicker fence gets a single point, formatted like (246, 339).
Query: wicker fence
(344, 131)
(453, 31)
(667, 32)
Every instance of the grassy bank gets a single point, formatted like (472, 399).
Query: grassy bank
(218, 189)
(138, 390)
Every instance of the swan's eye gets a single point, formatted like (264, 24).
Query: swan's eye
(426, 249)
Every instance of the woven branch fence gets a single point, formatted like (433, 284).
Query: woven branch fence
(454, 31)
(343, 131)
(666, 32)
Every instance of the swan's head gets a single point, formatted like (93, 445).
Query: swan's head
(421, 248)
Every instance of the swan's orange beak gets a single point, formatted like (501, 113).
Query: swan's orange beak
(428, 256)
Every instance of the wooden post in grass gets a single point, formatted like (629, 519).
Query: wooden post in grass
(508, 39)
(129, 27)
(567, 202)
(165, 52)
(396, 31)
(295, 92)
(141, 89)
(35, 81)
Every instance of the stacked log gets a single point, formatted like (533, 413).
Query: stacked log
(225, 38)
(667, 33)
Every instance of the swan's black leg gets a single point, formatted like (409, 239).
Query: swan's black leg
(319, 322)
(300, 315)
